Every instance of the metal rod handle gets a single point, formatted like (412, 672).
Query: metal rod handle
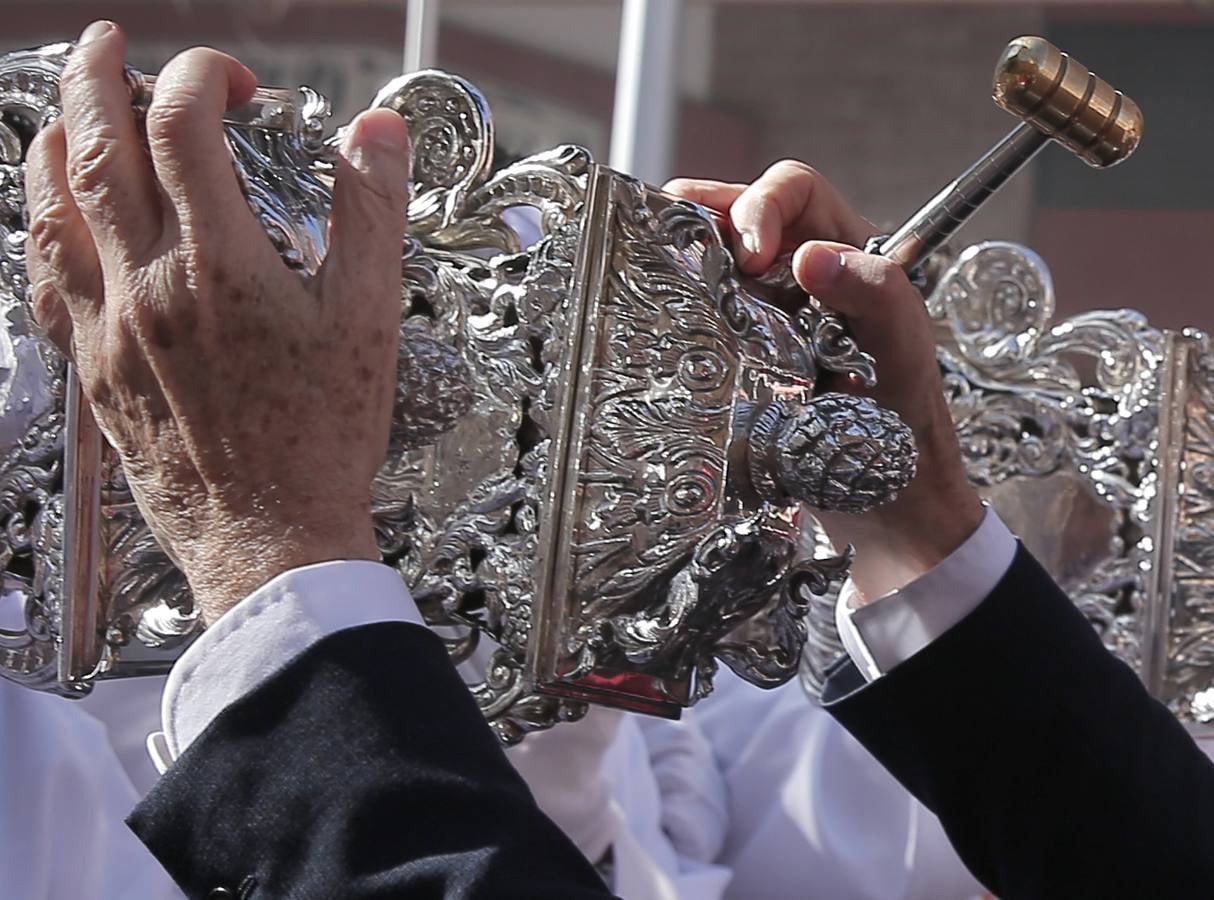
(941, 217)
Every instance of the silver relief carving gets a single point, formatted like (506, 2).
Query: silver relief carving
(1186, 612)
(601, 445)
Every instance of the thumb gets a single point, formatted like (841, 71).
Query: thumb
(888, 318)
(862, 286)
(370, 197)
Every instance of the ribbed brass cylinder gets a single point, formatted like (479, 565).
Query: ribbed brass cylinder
(1037, 82)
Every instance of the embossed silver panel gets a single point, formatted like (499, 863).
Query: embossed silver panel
(619, 507)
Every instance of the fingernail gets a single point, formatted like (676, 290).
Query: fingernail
(374, 134)
(95, 30)
(750, 240)
(820, 267)
(386, 129)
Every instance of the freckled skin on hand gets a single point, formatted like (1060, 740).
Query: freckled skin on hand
(212, 357)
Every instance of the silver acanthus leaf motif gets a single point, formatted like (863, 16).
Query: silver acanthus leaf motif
(1074, 405)
(670, 568)
(33, 390)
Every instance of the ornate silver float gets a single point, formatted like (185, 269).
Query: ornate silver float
(602, 445)
(605, 438)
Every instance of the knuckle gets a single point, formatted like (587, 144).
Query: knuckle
(38, 155)
(48, 230)
(170, 120)
(797, 169)
(91, 165)
(176, 104)
(44, 299)
(194, 61)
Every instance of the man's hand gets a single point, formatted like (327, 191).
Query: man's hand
(790, 207)
(250, 406)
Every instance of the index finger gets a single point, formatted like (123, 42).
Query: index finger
(716, 195)
(108, 172)
(790, 203)
(186, 136)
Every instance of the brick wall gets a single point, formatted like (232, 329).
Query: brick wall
(889, 102)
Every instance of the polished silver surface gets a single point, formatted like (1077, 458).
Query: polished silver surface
(600, 449)
(1091, 437)
(33, 407)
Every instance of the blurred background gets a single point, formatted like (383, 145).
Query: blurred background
(888, 98)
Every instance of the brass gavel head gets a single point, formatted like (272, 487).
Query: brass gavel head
(1040, 84)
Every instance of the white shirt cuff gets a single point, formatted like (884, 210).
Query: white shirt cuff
(893, 628)
(264, 632)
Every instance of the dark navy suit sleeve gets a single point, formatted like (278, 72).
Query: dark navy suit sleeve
(362, 769)
(1053, 771)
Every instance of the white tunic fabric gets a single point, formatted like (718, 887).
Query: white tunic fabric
(62, 835)
(811, 813)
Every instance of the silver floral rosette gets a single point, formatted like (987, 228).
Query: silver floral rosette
(602, 445)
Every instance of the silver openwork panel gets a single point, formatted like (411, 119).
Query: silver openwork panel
(601, 446)
(1092, 438)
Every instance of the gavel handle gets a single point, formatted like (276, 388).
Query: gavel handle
(941, 217)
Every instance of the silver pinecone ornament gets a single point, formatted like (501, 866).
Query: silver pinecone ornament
(837, 453)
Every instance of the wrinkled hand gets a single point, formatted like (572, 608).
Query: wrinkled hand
(792, 207)
(250, 407)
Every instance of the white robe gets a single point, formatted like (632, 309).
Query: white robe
(62, 835)
(811, 813)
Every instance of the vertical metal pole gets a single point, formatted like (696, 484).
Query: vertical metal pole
(421, 34)
(644, 123)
